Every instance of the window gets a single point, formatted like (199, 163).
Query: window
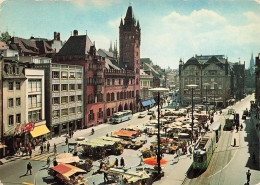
(73, 110)
(64, 87)
(108, 96)
(55, 87)
(79, 86)
(136, 53)
(108, 81)
(10, 102)
(100, 113)
(11, 119)
(56, 100)
(18, 101)
(18, 85)
(64, 75)
(55, 74)
(18, 118)
(112, 97)
(119, 82)
(72, 87)
(72, 98)
(64, 99)
(32, 101)
(39, 86)
(91, 99)
(72, 75)
(56, 114)
(79, 109)
(10, 86)
(79, 98)
(113, 81)
(64, 112)
(91, 115)
(79, 75)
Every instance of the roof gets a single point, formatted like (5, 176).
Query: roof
(3, 45)
(102, 52)
(111, 64)
(61, 168)
(145, 60)
(213, 59)
(76, 45)
(192, 61)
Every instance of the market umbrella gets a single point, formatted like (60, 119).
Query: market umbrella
(153, 161)
(178, 123)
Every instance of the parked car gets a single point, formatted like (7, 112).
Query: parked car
(150, 112)
(141, 115)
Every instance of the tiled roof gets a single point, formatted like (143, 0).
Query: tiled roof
(107, 53)
(76, 45)
(111, 64)
(3, 45)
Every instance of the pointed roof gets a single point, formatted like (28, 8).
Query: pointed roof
(76, 45)
(252, 62)
(192, 61)
(213, 59)
(121, 22)
(129, 13)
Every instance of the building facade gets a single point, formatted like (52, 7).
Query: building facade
(212, 77)
(63, 97)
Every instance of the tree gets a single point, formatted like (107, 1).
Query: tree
(5, 36)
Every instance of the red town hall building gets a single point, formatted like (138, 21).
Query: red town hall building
(110, 86)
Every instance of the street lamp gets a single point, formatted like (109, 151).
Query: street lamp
(192, 86)
(158, 90)
(206, 85)
(214, 83)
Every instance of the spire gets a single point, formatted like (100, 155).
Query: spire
(110, 48)
(252, 61)
(138, 25)
(129, 18)
(121, 23)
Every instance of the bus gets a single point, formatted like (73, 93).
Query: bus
(203, 151)
(216, 127)
(119, 117)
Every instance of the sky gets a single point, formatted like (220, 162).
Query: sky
(170, 29)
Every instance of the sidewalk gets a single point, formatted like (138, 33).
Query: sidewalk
(56, 140)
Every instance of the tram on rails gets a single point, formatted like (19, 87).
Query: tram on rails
(203, 151)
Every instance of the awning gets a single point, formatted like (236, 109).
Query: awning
(40, 130)
(153, 101)
(145, 103)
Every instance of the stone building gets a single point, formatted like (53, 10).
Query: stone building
(64, 105)
(212, 75)
(23, 102)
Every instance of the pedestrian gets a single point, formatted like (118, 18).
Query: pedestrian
(29, 168)
(66, 141)
(122, 162)
(190, 150)
(48, 146)
(55, 148)
(55, 163)
(48, 162)
(116, 162)
(108, 162)
(248, 174)
(30, 153)
(235, 142)
(41, 147)
(105, 176)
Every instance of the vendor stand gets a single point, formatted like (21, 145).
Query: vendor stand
(68, 174)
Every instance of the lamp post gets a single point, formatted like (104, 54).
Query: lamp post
(214, 83)
(158, 90)
(206, 85)
(192, 86)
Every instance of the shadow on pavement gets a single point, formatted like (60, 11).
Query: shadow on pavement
(253, 144)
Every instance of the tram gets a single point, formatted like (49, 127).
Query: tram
(203, 151)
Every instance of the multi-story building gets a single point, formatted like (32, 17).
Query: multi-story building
(172, 80)
(257, 80)
(237, 80)
(108, 86)
(23, 102)
(147, 66)
(64, 105)
(146, 83)
(212, 77)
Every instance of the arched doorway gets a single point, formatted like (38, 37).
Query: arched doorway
(126, 107)
(131, 107)
(120, 108)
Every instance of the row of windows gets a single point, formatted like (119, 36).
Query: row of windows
(11, 120)
(120, 95)
(34, 115)
(34, 101)
(64, 99)
(66, 75)
(94, 81)
(66, 112)
(34, 86)
(120, 81)
(95, 66)
(11, 102)
(91, 115)
(91, 98)
(65, 87)
(11, 86)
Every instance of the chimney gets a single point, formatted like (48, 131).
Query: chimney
(75, 33)
(55, 35)
(58, 36)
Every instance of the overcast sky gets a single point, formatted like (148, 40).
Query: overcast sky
(170, 29)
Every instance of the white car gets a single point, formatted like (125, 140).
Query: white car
(141, 115)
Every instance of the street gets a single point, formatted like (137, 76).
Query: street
(228, 164)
